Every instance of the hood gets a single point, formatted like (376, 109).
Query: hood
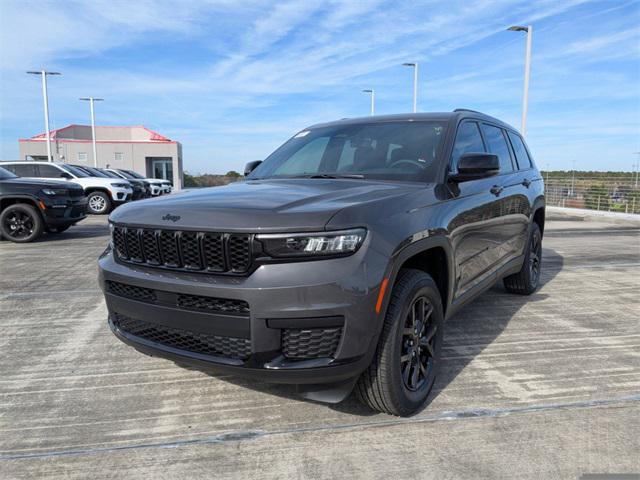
(260, 205)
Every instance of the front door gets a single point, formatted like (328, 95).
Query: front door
(162, 169)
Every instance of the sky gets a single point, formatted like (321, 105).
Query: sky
(232, 80)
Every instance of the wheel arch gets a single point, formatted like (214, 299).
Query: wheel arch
(432, 255)
(13, 199)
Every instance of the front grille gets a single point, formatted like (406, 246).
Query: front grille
(184, 250)
(310, 343)
(226, 306)
(195, 342)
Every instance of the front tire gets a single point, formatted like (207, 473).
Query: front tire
(527, 280)
(98, 203)
(20, 223)
(407, 359)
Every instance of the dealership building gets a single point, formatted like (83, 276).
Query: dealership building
(132, 148)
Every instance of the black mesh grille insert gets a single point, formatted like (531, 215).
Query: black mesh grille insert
(224, 305)
(310, 343)
(131, 291)
(150, 247)
(133, 245)
(169, 248)
(239, 253)
(189, 244)
(196, 342)
(184, 250)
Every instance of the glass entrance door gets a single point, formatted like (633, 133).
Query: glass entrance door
(162, 169)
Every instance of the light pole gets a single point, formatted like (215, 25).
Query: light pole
(93, 126)
(372, 92)
(637, 167)
(45, 98)
(527, 71)
(573, 176)
(415, 83)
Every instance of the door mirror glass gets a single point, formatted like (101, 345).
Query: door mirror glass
(251, 166)
(473, 166)
(66, 175)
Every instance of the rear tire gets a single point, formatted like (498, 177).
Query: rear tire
(527, 280)
(406, 362)
(20, 223)
(98, 203)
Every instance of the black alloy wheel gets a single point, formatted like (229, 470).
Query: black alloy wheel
(418, 344)
(20, 223)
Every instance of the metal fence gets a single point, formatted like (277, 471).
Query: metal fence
(618, 193)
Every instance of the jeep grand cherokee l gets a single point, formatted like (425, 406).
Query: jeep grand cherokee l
(337, 260)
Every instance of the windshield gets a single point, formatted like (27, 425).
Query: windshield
(131, 174)
(75, 171)
(94, 172)
(6, 174)
(386, 151)
(109, 174)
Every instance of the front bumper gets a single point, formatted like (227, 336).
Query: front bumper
(295, 312)
(121, 195)
(63, 211)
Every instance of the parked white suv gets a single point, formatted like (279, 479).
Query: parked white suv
(159, 186)
(103, 194)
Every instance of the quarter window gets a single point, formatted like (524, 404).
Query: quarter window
(522, 156)
(468, 140)
(497, 144)
(49, 171)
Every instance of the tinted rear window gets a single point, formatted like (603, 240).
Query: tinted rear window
(22, 169)
(522, 156)
(497, 144)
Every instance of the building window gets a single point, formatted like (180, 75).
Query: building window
(82, 156)
(118, 156)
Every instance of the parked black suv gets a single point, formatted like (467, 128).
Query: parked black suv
(338, 259)
(29, 206)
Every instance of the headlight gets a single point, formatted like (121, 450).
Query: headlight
(121, 185)
(54, 191)
(344, 242)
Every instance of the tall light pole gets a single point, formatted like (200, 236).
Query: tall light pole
(415, 83)
(93, 126)
(527, 71)
(45, 98)
(637, 167)
(372, 92)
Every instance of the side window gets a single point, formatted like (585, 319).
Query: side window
(468, 140)
(497, 144)
(522, 156)
(49, 171)
(24, 170)
(305, 160)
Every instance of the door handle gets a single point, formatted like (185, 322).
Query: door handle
(496, 190)
(526, 182)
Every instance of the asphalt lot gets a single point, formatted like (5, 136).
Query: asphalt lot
(541, 387)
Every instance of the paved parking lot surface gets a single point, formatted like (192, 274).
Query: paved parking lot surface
(541, 387)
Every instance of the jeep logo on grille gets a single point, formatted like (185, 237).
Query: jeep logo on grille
(173, 218)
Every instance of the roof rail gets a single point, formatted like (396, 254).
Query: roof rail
(467, 110)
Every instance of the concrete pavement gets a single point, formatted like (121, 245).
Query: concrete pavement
(546, 386)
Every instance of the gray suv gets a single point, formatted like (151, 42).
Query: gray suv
(336, 262)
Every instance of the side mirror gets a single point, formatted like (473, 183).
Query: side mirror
(66, 175)
(251, 166)
(474, 166)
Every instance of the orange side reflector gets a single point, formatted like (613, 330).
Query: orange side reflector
(383, 288)
(42, 205)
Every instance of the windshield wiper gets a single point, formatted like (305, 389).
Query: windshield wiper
(331, 175)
